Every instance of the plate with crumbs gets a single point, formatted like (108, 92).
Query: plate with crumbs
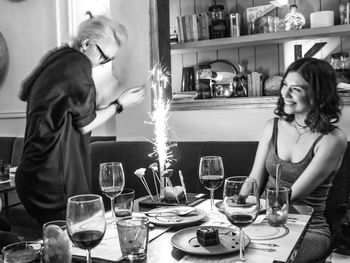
(186, 241)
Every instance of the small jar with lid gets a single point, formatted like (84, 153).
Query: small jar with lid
(341, 64)
(218, 24)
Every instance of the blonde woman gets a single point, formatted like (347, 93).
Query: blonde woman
(61, 113)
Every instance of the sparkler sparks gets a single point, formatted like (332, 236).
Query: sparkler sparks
(159, 118)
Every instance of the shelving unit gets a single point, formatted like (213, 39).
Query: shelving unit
(261, 39)
(187, 101)
(184, 103)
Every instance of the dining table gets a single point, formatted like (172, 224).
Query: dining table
(170, 240)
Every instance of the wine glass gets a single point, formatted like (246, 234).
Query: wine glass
(86, 222)
(112, 181)
(241, 205)
(211, 174)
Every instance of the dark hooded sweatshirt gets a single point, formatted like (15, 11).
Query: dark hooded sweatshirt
(55, 163)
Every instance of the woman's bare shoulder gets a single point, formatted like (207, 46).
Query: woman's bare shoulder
(335, 139)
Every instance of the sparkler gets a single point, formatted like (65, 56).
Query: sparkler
(159, 118)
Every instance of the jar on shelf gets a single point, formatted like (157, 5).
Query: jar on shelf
(218, 25)
(294, 20)
(341, 63)
(344, 12)
(204, 82)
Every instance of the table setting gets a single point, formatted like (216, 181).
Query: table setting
(242, 227)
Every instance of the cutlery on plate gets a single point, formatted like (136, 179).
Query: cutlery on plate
(179, 212)
(264, 244)
(265, 249)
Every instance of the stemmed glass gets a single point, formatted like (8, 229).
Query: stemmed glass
(86, 222)
(211, 174)
(241, 205)
(112, 182)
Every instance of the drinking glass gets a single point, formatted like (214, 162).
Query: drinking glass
(56, 243)
(112, 182)
(241, 205)
(211, 174)
(86, 222)
(22, 252)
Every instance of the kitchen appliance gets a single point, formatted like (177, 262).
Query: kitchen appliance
(215, 79)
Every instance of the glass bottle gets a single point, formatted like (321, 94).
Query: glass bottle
(218, 25)
(341, 64)
(294, 20)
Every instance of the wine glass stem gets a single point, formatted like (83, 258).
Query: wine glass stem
(241, 245)
(88, 256)
(113, 211)
(211, 199)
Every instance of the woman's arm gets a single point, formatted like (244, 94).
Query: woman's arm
(128, 98)
(328, 156)
(258, 171)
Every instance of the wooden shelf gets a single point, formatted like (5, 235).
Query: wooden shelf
(187, 103)
(260, 39)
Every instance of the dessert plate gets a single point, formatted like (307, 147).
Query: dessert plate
(263, 231)
(186, 241)
(219, 206)
(160, 216)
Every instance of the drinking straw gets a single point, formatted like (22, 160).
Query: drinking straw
(140, 173)
(171, 186)
(143, 180)
(155, 184)
(183, 184)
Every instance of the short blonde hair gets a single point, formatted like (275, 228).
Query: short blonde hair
(101, 29)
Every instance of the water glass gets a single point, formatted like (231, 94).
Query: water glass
(57, 245)
(133, 237)
(22, 252)
(277, 205)
(124, 203)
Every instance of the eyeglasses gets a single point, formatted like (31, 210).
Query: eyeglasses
(103, 55)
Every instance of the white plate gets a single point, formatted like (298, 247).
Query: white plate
(186, 240)
(262, 206)
(263, 231)
(169, 219)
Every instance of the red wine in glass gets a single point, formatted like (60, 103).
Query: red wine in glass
(241, 203)
(87, 239)
(86, 222)
(211, 174)
(211, 181)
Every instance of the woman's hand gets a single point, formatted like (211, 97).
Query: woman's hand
(132, 96)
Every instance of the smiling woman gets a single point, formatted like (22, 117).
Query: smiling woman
(4, 58)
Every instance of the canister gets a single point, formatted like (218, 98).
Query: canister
(235, 24)
(218, 23)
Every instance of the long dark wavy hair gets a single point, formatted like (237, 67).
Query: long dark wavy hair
(323, 97)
